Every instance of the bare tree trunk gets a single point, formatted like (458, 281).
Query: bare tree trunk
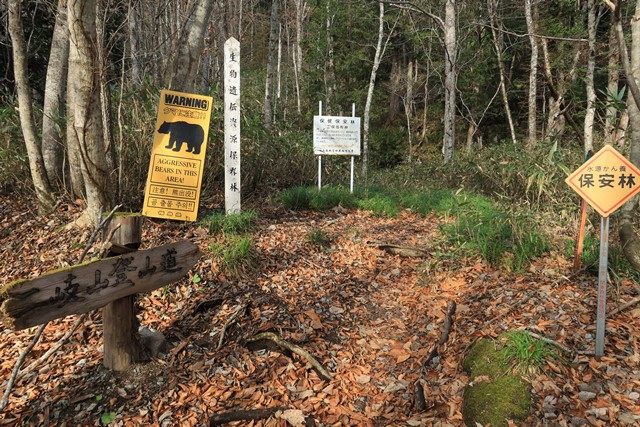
(498, 45)
(181, 75)
(628, 237)
(612, 87)
(36, 162)
(533, 78)
(87, 114)
(54, 97)
(76, 183)
(372, 82)
(134, 21)
(329, 68)
(408, 101)
(267, 107)
(450, 74)
(105, 95)
(591, 93)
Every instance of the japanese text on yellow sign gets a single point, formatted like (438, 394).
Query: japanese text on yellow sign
(177, 157)
(606, 181)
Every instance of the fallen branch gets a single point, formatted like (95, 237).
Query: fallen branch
(419, 400)
(16, 369)
(407, 251)
(243, 415)
(42, 359)
(228, 323)
(93, 236)
(270, 336)
(624, 306)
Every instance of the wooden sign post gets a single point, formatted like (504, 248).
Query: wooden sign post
(119, 323)
(109, 282)
(606, 181)
(232, 181)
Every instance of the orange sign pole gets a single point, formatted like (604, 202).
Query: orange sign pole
(577, 259)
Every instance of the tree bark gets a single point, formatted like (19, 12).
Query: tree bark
(84, 77)
(54, 97)
(591, 63)
(181, 74)
(377, 57)
(134, 21)
(450, 74)
(25, 109)
(329, 68)
(613, 70)
(267, 107)
(628, 238)
(533, 68)
(498, 39)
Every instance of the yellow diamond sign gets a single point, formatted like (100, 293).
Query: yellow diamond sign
(606, 181)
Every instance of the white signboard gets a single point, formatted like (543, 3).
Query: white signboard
(335, 135)
(232, 125)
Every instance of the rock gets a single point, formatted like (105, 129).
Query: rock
(363, 379)
(586, 395)
(336, 310)
(634, 395)
(578, 422)
(627, 419)
(153, 341)
(600, 413)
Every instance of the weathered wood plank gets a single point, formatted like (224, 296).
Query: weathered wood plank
(83, 288)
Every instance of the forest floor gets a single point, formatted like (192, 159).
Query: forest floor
(368, 316)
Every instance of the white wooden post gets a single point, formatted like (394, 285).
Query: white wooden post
(319, 157)
(353, 114)
(232, 197)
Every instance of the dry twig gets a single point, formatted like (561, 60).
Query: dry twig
(270, 336)
(243, 415)
(228, 323)
(420, 402)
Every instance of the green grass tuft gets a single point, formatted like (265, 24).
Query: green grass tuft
(296, 198)
(236, 253)
(525, 353)
(234, 223)
(318, 237)
(380, 205)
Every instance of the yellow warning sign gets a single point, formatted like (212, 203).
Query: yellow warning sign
(606, 181)
(177, 157)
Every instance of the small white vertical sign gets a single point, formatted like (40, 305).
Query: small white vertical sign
(232, 125)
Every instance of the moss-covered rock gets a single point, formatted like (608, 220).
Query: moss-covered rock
(494, 394)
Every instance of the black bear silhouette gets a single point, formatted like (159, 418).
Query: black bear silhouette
(183, 132)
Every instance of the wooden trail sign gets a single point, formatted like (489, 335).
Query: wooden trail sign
(177, 158)
(83, 288)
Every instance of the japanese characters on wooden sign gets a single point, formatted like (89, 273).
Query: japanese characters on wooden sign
(336, 135)
(232, 125)
(177, 157)
(606, 181)
(86, 287)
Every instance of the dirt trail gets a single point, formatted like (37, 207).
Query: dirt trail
(369, 317)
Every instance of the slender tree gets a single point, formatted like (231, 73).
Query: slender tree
(36, 162)
(533, 73)
(54, 97)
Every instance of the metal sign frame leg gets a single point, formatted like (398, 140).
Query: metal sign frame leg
(602, 286)
(319, 157)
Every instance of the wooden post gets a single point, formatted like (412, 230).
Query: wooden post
(120, 327)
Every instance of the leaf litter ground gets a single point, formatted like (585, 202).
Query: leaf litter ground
(368, 316)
